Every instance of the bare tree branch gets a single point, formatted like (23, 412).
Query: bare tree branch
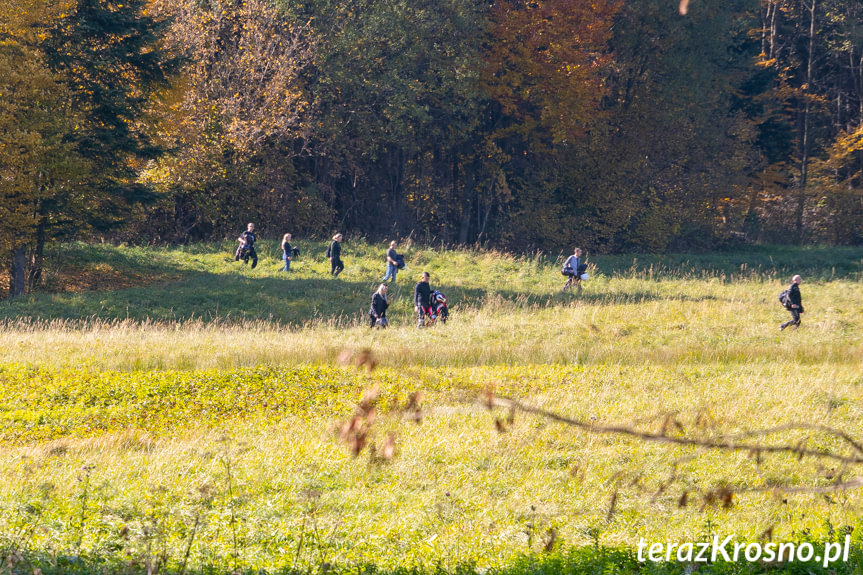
(728, 443)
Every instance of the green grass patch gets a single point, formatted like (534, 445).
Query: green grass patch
(192, 424)
(202, 282)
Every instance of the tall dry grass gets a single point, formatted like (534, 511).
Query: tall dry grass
(618, 320)
(273, 489)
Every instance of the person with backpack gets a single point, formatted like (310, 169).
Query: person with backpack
(793, 302)
(378, 311)
(573, 269)
(287, 252)
(394, 263)
(334, 253)
(246, 249)
(422, 299)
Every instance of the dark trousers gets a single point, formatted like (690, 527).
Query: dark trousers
(336, 266)
(795, 319)
(247, 254)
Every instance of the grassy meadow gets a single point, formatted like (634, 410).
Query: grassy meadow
(170, 410)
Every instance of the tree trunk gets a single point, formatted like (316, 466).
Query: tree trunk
(768, 29)
(34, 278)
(468, 174)
(804, 144)
(751, 223)
(395, 175)
(464, 224)
(482, 219)
(18, 279)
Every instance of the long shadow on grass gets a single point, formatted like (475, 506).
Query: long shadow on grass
(230, 298)
(760, 262)
(210, 298)
(574, 561)
(232, 295)
(526, 301)
(241, 296)
(629, 298)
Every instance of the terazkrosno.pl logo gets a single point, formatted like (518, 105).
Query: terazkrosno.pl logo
(725, 550)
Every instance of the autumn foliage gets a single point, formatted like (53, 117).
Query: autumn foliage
(545, 63)
(518, 124)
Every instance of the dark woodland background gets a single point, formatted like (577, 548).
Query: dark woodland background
(619, 125)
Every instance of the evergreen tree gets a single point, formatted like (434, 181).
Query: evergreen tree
(107, 56)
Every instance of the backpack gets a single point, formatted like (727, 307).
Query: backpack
(330, 251)
(295, 252)
(568, 271)
(785, 297)
(400, 261)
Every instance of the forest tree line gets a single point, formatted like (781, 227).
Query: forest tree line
(620, 125)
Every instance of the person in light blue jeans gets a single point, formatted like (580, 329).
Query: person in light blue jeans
(392, 265)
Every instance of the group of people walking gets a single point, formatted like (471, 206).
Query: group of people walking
(395, 262)
(246, 251)
(430, 305)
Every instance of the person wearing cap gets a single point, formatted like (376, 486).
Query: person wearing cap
(795, 303)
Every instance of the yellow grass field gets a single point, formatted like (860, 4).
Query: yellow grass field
(193, 443)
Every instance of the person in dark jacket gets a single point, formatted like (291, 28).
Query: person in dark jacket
(795, 303)
(422, 298)
(246, 249)
(335, 255)
(378, 312)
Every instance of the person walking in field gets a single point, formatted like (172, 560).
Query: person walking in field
(422, 299)
(793, 302)
(573, 269)
(246, 249)
(378, 311)
(393, 260)
(287, 252)
(334, 253)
